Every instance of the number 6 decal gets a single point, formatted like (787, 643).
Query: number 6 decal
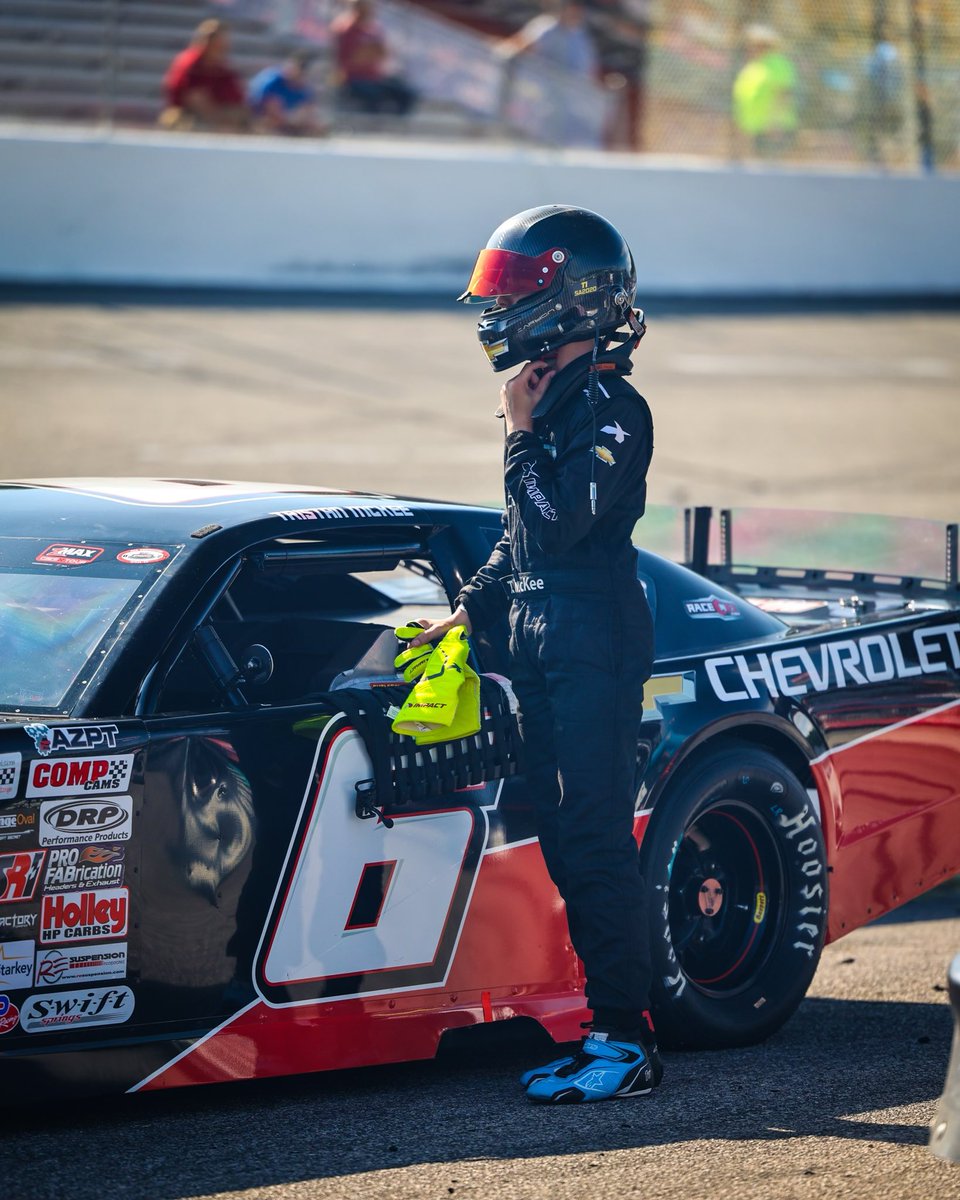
(361, 908)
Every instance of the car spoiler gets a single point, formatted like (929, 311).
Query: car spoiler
(912, 557)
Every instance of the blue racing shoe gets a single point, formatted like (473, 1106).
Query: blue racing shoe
(550, 1069)
(607, 1068)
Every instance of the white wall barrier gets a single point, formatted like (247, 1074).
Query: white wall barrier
(153, 208)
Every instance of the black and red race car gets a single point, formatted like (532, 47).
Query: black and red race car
(215, 865)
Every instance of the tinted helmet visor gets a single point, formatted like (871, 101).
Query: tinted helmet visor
(506, 273)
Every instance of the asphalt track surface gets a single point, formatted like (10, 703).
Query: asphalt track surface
(828, 410)
(831, 410)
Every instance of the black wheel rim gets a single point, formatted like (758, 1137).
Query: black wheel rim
(726, 897)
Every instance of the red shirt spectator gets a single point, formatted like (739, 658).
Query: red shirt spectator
(202, 89)
(190, 72)
(368, 80)
(361, 47)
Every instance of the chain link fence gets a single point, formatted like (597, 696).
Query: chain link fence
(875, 82)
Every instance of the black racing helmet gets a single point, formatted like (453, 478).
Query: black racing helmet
(568, 275)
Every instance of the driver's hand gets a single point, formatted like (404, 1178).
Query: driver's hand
(434, 629)
(520, 395)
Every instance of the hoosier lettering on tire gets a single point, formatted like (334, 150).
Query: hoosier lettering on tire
(735, 859)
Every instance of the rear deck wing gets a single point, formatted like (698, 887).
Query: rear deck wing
(812, 552)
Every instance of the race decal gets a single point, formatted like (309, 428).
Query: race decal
(80, 822)
(19, 874)
(68, 776)
(59, 555)
(50, 738)
(16, 965)
(77, 1010)
(84, 916)
(9, 775)
(80, 964)
(361, 908)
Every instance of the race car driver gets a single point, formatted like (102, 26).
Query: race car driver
(578, 444)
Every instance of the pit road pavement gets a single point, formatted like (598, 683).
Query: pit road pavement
(833, 1107)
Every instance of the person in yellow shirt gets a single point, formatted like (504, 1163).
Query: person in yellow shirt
(764, 94)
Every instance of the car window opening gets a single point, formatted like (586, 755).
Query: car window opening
(293, 624)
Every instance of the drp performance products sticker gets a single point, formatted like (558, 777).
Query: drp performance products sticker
(80, 822)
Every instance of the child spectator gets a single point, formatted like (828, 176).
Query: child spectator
(282, 100)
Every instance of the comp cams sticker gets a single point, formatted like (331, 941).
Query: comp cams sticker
(68, 776)
(82, 822)
(77, 1010)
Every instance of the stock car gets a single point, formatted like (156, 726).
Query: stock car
(214, 864)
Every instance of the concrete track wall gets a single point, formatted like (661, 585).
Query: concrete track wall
(169, 209)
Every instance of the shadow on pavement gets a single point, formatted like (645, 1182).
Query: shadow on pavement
(836, 1062)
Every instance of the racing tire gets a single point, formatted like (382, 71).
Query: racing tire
(736, 869)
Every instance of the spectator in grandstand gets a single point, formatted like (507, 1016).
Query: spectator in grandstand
(202, 90)
(368, 79)
(282, 100)
(881, 97)
(764, 94)
(562, 38)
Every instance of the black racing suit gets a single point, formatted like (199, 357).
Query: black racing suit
(581, 647)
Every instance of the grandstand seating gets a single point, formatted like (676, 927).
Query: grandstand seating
(104, 60)
(100, 59)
